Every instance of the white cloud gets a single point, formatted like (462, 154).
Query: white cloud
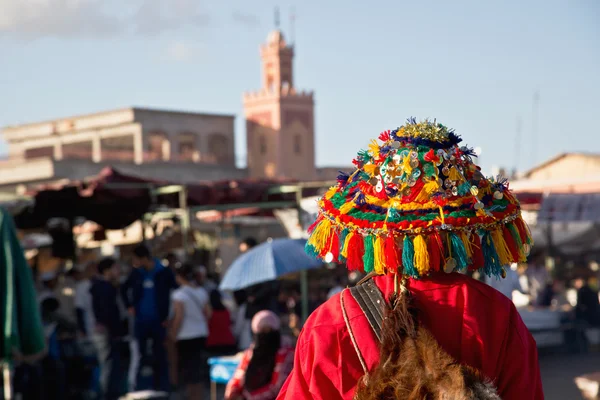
(96, 18)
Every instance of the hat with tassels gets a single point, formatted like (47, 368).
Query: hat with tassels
(417, 203)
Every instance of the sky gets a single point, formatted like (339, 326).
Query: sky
(476, 66)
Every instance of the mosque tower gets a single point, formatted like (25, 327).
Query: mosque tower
(280, 129)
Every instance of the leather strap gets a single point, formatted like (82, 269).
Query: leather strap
(371, 301)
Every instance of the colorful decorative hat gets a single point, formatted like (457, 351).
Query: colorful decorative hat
(417, 203)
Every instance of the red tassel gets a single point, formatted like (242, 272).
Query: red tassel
(390, 251)
(334, 246)
(478, 260)
(356, 249)
(431, 156)
(522, 230)
(510, 242)
(435, 251)
(384, 136)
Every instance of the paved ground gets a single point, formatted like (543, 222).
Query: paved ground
(558, 373)
(560, 370)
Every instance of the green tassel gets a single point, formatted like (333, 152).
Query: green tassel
(311, 250)
(343, 235)
(459, 253)
(518, 241)
(369, 256)
(492, 265)
(408, 257)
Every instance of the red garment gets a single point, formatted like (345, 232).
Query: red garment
(283, 365)
(473, 322)
(219, 329)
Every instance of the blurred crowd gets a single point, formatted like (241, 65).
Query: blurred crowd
(147, 323)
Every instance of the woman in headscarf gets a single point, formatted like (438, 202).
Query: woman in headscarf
(265, 365)
(414, 214)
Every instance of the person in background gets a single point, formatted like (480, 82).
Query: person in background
(189, 330)
(242, 329)
(220, 338)
(53, 372)
(148, 289)
(111, 328)
(247, 244)
(537, 279)
(588, 304)
(172, 261)
(83, 298)
(265, 365)
(507, 285)
(49, 280)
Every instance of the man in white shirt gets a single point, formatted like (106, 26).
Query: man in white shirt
(509, 284)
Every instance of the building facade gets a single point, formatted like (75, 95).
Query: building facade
(280, 125)
(137, 139)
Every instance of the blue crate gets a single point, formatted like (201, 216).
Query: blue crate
(222, 368)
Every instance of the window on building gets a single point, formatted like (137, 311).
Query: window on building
(263, 145)
(298, 144)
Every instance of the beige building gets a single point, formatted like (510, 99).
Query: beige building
(157, 143)
(565, 173)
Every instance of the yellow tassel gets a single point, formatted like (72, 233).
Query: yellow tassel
(379, 256)
(345, 246)
(318, 239)
(370, 169)
(442, 215)
(428, 189)
(406, 165)
(347, 207)
(467, 243)
(421, 260)
(454, 174)
(502, 249)
(374, 148)
(330, 193)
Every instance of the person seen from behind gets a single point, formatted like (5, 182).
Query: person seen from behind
(588, 304)
(189, 330)
(220, 337)
(111, 329)
(265, 365)
(415, 214)
(148, 289)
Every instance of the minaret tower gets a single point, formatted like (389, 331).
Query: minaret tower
(279, 120)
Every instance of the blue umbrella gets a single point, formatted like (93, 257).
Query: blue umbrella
(267, 262)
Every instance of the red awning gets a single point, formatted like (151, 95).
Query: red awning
(115, 200)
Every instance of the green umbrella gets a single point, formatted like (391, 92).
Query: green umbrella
(22, 329)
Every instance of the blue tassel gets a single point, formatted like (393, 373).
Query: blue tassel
(343, 178)
(492, 265)
(343, 235)
(408, 257)
(458, 252)
(464, 188)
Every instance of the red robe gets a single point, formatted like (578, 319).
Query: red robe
(473, 322)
